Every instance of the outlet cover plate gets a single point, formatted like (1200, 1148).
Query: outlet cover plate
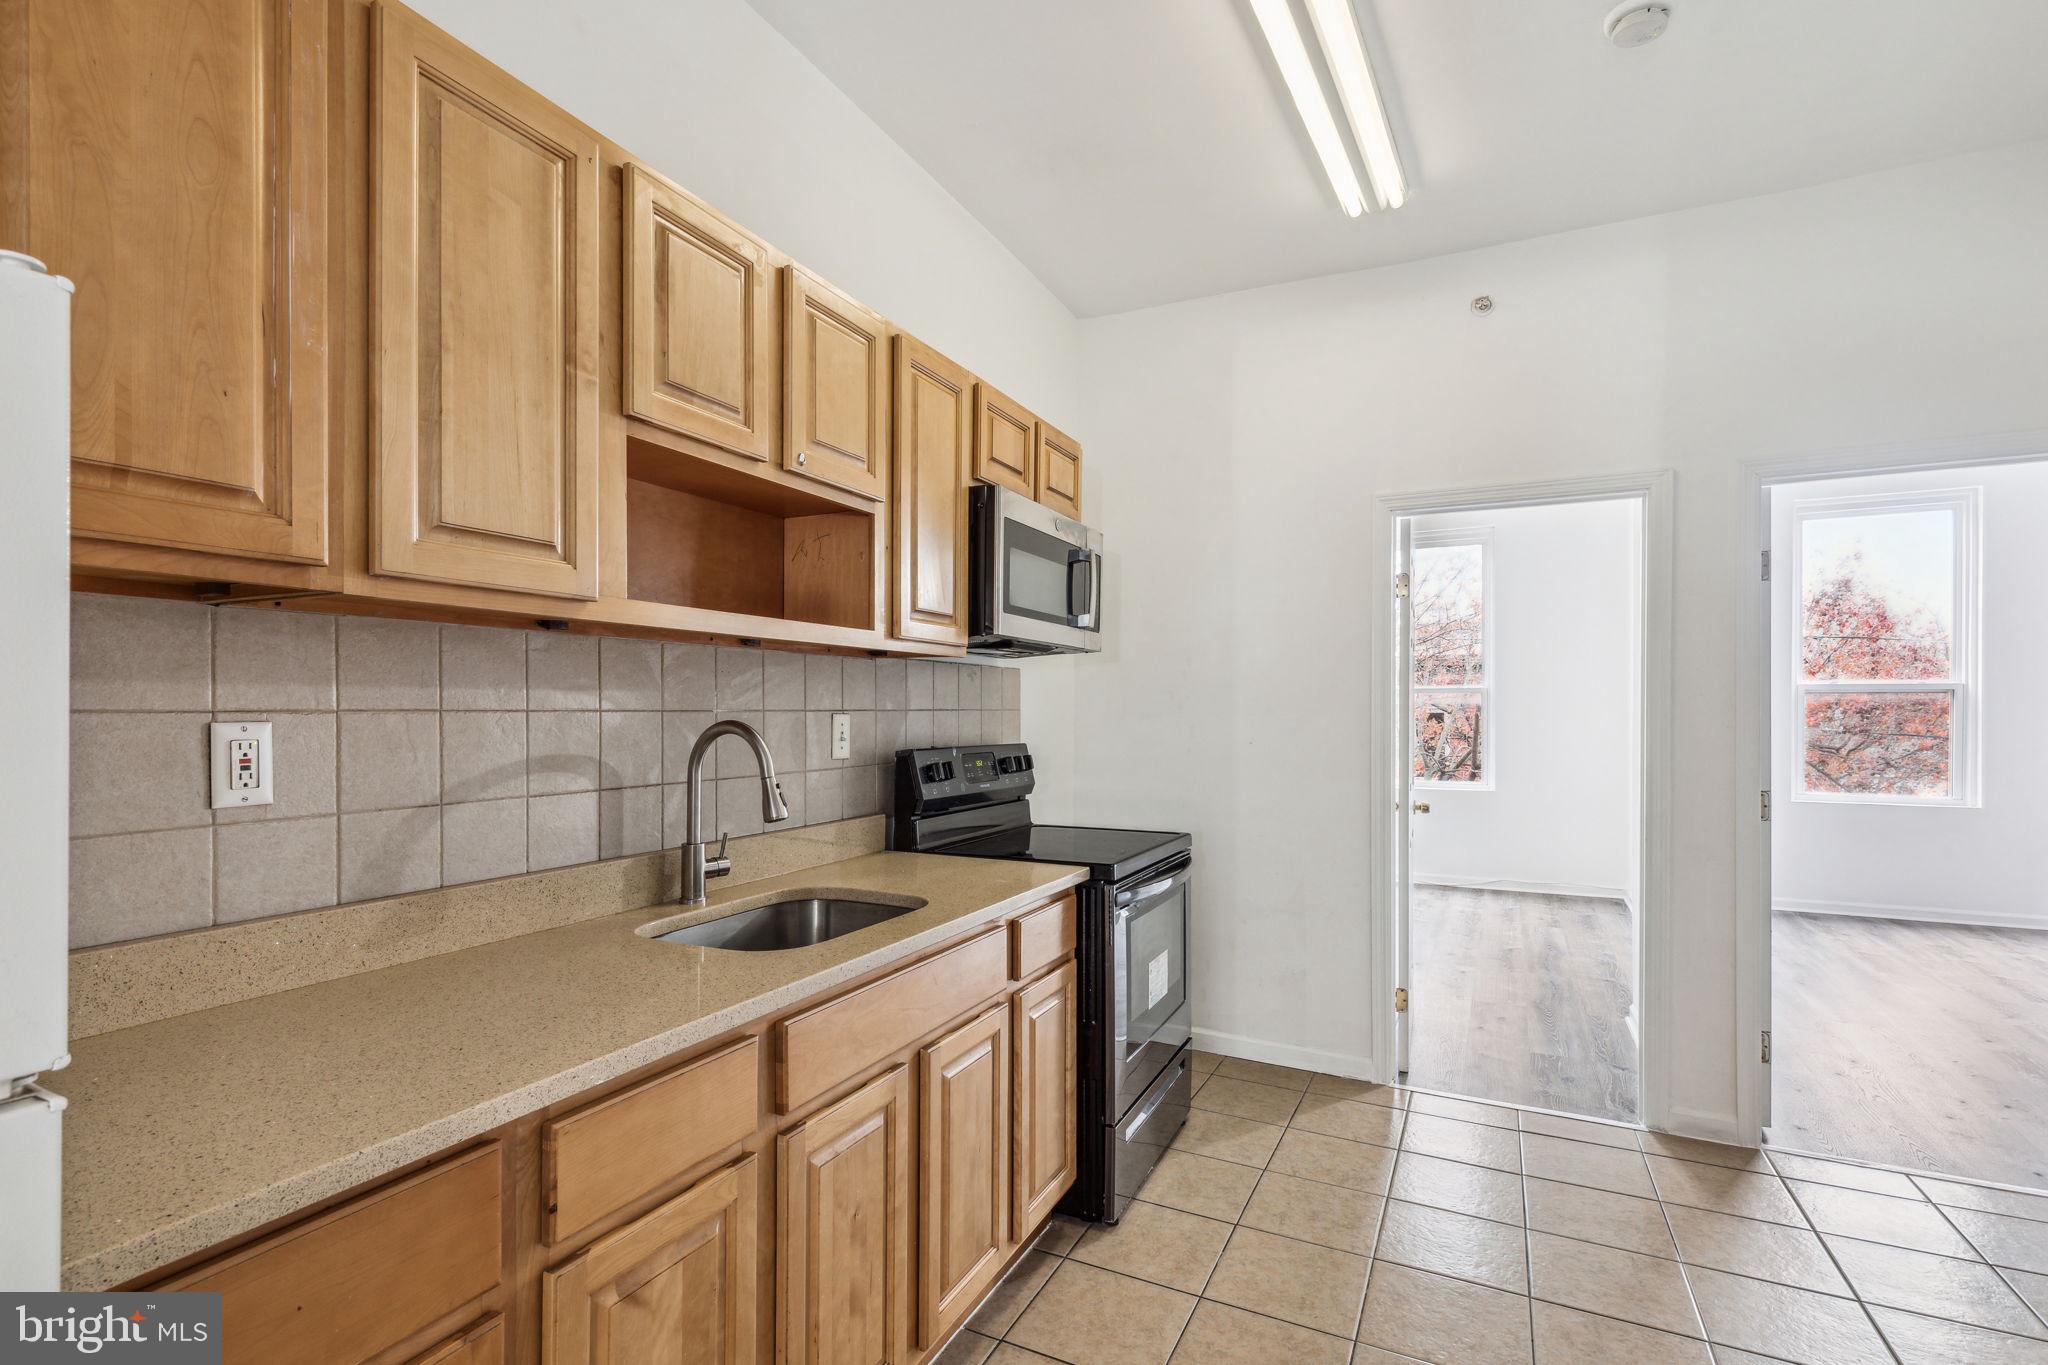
(240, 752)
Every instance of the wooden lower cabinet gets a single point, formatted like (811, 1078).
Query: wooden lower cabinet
(963, 1170)
(843, 1230)
(675, 1285)
(483, 1344)
(1045, 1097)
(693, 1214)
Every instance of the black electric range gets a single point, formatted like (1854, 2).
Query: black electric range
(973, 801)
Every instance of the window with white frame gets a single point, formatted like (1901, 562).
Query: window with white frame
(1451, 638)
(1882, 686)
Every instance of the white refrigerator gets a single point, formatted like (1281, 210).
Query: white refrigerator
(35, 797)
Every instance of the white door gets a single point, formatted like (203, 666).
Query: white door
(1404, 777)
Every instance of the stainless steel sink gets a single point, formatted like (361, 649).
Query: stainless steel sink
(787, 924)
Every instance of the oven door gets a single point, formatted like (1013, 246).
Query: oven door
(1150, 1018)
(1037, 578)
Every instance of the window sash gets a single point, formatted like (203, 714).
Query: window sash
(1481, 536)
(1959, 685)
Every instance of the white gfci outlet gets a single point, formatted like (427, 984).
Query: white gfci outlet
(842, 735)
(241, 763)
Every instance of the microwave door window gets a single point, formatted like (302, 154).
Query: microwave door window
(1036, 587)
(1035, 577)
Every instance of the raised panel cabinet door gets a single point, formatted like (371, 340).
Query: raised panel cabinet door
(700, 310)
(1046, 1099)
(843, 1231)
(172, 160)
(1005, 438)
(676, 1285)
(1059, 471)
(836, 378)
(928, 507)
(484, 457)
(963, 1169)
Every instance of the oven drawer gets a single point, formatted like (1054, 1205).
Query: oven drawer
(1147, 1130)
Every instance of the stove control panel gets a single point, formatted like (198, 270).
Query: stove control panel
(963, 776)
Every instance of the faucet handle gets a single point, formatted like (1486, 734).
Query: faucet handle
(718, 865)
(723, 839)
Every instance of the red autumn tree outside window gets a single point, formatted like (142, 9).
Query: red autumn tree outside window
(1448, 637)
(1880, 677)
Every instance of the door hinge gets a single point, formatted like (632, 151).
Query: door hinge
(1764, 804)
(1767, 566)
(1400, 999)
(1400, 585)
(1767, 1047)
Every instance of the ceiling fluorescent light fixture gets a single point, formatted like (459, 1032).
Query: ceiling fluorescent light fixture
(1276, 20)
(1344, 49)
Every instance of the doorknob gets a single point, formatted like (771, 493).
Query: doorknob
(1420, 808)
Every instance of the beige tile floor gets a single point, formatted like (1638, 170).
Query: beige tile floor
(1305, 1218)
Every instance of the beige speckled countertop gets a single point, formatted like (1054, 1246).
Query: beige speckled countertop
(186, 1131)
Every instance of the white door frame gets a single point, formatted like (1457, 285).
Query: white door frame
(1753, 699)
(1386, 750)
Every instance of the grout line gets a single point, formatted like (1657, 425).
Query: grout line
(1835, 1261)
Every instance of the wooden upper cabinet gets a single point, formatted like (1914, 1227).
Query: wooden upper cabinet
(1046, 1096)
(842, 1245)
(1005, 436)
(963, 1170)
(836, 386)
(173, 161)
(484, 260)
(700, 321)
(1059, 471)
(677, 1284)
(928, 509)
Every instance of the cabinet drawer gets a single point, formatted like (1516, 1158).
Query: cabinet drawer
(831, 1042)
(483, 1344)
(1039, 938)
(417, 1250)
(597, 1159)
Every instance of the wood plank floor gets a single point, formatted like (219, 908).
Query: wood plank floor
(1523, 999)
(1915, 1045)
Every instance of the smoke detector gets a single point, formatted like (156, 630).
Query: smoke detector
(1632, 24)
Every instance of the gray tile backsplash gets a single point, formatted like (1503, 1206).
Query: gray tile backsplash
(411, 755)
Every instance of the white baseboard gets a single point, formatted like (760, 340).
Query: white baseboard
(1352, 1066)
(1609, 893)
(1920, 914)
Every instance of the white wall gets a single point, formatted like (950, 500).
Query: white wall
(1980, 864)
(1563, 737)
(715, 99)
(1238, 443)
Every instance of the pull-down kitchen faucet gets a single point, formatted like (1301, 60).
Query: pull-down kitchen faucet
(696, 866)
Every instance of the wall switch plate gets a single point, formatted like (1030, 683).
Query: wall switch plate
(842, 735)
(241, 763)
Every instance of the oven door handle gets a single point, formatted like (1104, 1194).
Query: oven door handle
(1177, 873)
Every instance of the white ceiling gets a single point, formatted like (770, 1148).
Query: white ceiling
(1134, 152)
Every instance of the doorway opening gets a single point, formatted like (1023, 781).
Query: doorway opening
(1906, 863)
(1520, 870)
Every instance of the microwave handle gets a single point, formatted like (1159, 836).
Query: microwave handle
(1081, 590)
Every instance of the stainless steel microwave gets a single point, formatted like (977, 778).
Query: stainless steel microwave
(1034, 578)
